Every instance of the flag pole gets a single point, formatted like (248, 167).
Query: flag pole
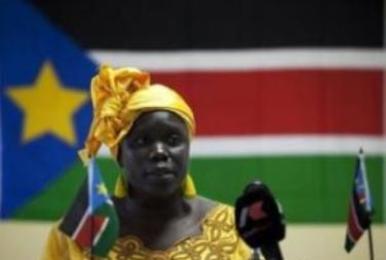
(371, 246)
(90, 194)
(370, 235)
(92, 238)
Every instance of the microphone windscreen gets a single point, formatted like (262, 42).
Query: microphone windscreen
(258, 217)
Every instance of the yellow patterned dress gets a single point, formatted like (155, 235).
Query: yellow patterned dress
(218, 240)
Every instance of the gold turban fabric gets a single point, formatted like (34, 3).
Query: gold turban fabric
(119, 96)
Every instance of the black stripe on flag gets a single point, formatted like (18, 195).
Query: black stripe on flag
(363, 216)
(76, 211)
(201, 24)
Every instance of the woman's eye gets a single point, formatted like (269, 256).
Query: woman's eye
(139, 141)
(174, 140)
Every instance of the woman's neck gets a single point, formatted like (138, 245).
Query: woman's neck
(163, 209)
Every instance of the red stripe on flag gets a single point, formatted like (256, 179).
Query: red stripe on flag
(354, 229)
(282, 101)
(88, 230)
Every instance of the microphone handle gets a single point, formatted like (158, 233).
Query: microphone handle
(271, 251)
(255, 255)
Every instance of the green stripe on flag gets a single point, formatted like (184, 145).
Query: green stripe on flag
(311, 189)
(52, 203)
(109, 234)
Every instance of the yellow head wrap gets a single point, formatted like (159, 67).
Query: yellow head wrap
(119, 96)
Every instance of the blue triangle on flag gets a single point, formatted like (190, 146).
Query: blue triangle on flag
(34, 154)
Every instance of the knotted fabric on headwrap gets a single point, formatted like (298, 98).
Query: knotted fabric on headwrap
(119, 96)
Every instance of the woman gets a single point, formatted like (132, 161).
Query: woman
(148, 129)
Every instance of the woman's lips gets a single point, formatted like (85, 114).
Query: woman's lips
(161, 173)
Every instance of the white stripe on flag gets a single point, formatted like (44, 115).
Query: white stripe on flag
(102, 228)
(282, 145)
(213, 60)
(81, 224)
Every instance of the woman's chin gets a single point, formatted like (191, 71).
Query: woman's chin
(162, 189)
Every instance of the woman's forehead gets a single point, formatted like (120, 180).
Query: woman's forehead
(158, 118)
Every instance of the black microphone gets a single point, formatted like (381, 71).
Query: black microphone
(260, 221)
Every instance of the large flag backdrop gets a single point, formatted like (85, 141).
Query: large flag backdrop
(283, 92)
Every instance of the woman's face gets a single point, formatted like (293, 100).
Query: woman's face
(155, 154)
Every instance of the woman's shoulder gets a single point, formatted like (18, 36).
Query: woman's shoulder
(219, 231)
(203, 205)
(209, 209)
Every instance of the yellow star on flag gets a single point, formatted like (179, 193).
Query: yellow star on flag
(102, 189)
(48, 106)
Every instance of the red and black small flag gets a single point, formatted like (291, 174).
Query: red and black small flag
(360, 207)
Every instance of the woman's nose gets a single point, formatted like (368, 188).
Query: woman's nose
(159, 152)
